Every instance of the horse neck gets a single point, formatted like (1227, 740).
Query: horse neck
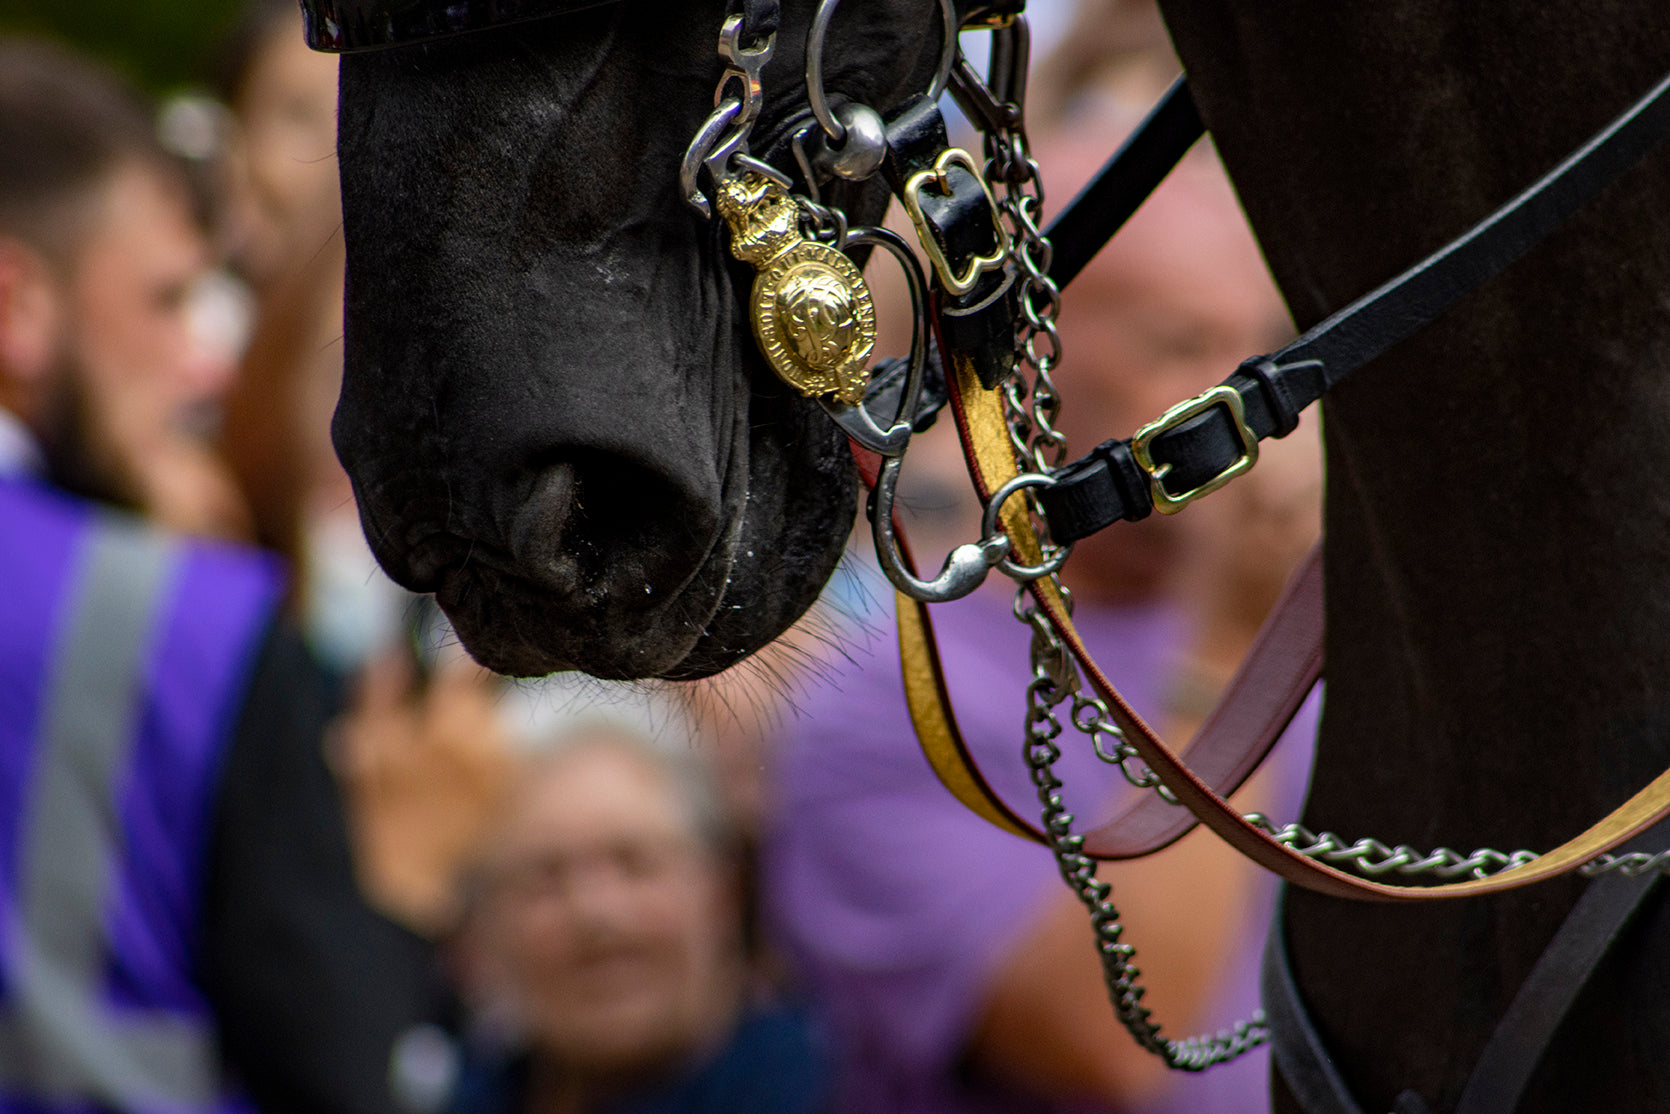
(1498, 632)
(1494, 553)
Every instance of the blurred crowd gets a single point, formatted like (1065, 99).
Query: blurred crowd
(270, 841)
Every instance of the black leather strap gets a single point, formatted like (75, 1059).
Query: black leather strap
(1523, 1034)
(348, 26)
(1585, 938)
(976, 13)
(887, 382)
(960, 216)
(1124, 183)
(1092, 493)
(1297, 1048)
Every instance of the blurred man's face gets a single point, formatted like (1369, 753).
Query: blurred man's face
(614, 931)
(131, 363)
(131, 296)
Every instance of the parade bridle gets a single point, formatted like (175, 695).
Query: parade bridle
(985, 345)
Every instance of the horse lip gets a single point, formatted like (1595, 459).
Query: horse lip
(488, 601)
(428, 559)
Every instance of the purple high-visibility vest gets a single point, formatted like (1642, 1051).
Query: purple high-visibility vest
(124, 658)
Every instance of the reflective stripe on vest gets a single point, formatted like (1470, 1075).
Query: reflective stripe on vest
(57, 1040)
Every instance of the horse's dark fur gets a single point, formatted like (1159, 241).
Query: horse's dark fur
(1498, 525)
(554, 413)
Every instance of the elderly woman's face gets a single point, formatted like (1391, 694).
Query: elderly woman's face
(611, 927)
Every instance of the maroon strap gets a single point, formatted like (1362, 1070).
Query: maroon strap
(1266, 692)
(1275, 677)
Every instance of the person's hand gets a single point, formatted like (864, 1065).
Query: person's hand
(422, 773)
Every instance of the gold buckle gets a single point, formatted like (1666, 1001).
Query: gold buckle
(980, 264)
(1222, 395)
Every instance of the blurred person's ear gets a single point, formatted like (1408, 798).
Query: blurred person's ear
(31, 311)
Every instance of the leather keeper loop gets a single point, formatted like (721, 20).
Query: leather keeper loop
(1091, 494)
(1283, 411)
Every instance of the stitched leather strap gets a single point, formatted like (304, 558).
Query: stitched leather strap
(985, 443)
(1107, 485)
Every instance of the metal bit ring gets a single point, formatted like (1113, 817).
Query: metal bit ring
(989, 528)
(819, 100)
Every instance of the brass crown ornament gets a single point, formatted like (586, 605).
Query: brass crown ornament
(812, 313)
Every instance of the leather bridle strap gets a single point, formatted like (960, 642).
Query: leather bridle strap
(1277, 674)
(1127, 179)
(1195, 448)
(355, 26)
(1277, 392)
(991, 462)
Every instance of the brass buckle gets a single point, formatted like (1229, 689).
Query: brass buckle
(980, 264)
(1222, 395)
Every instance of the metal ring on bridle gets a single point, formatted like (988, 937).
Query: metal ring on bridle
(989, 528)
(815, 95)
(857, 421)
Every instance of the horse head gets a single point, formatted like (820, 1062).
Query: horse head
(553, 412)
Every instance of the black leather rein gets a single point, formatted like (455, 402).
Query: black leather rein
(1190, 451)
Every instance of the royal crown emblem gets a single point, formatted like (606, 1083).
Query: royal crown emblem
(812, 313)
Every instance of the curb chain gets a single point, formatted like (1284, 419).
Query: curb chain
(1078, 870)
(1032, 410)
(1371, 857)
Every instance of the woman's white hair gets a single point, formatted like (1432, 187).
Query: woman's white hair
(564, 712)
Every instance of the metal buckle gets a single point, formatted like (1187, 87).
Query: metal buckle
(1222, 395)
(980, 264)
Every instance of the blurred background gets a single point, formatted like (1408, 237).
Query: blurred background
(163, 46)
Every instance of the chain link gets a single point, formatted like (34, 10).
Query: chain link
(1632, 864)
(1032, 408)
(737, 101)
(1371, 857)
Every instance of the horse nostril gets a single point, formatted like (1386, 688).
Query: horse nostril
(539, 535)
(614, 529)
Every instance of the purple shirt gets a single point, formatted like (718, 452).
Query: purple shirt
(899, 906)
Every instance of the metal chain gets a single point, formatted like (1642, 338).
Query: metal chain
(1032, 407)
(1078, 870)
(1371, 856)
(737, 100)
(1631, 864)
(1019, 188)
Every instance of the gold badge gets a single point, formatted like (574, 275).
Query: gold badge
(812, 313)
